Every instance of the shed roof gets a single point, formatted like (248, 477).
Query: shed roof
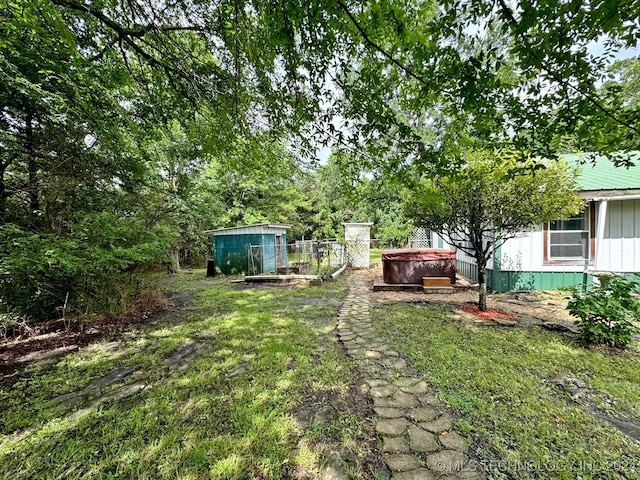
(602, 174)
(248, 229)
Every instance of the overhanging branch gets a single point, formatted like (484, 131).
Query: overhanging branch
(513, 24)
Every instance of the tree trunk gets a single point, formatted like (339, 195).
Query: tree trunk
(32, 167)
(482, 281)
(3, 195)
(174, 267)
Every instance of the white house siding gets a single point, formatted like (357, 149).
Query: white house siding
(620, 250)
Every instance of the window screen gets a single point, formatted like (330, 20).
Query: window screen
(569, 239)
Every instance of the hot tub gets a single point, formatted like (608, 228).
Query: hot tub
(409, 265)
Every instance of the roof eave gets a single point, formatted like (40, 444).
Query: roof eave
(284, 226)
(610, 194)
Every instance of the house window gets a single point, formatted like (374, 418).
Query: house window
(569, 239)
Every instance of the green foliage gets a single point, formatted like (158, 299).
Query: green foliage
(608, 313)
(345, 193)
(90, 263)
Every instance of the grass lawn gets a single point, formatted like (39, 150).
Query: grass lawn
(199, 422)
(375, 256)
(498, 381)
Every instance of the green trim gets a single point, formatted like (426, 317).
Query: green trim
(440, 242)
(506, 281)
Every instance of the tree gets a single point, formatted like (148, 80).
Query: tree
(414, 80)
(491, 199)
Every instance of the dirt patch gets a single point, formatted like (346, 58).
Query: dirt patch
(16, 354)
(529, 307)
(489, 314)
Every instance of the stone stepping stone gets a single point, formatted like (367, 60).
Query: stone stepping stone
(374, 382)
(240, 370)
(388, 361)
(394, 426)
(395, 445)
(406, 381)
(117, 394)
(373, 354)
(454, 441)
(447, 461)
(399, 364)
(388, 412)
(470, 473)
(400, 462)
(424, 414)
(383, 402)
(422, 441)
(420, 387)
(439, 425)
(430, 399)
(383, 391)
(94, 388)
(405, 400)
(183, 357)
(419, 474)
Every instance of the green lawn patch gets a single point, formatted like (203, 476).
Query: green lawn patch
(499, 381)
(199, 421)
(375, 256)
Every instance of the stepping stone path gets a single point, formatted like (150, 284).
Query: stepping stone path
(418, 442)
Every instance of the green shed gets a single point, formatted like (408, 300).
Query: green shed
(250, 249)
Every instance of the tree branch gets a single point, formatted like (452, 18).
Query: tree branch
(513, 23)
(138, 31)
(377, 47)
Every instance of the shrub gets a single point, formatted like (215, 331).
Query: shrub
(90, 264)
(608, 313)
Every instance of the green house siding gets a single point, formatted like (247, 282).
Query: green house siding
(467, 270)
(506, 281)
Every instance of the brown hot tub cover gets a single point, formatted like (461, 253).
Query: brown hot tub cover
(409, 265)
(409, 254)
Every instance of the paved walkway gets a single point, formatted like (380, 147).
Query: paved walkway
(418, 442)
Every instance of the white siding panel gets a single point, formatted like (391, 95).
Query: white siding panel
(628, 233)
(612, 238)
(621, 244)
(523, 253)
(636, 237)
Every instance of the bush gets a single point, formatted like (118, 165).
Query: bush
(608, 313)
(92, 262)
